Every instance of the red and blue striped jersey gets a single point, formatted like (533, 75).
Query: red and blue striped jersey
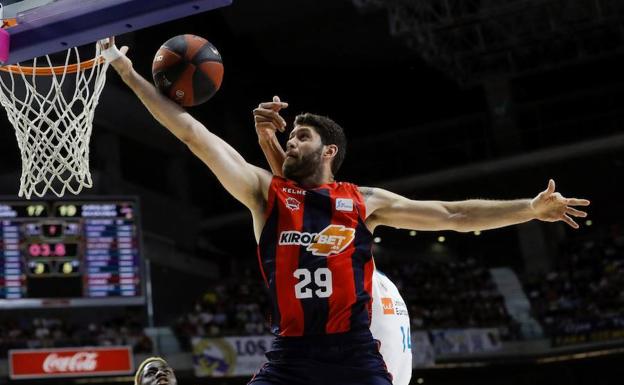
(316, 259)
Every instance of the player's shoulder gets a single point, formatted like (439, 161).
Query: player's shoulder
(349, 186)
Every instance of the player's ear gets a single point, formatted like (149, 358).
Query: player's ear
(330, 151)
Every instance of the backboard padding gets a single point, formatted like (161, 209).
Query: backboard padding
(64, 24)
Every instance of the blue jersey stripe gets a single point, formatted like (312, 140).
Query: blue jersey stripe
(363, 240)
(316, 215)
(268, 255)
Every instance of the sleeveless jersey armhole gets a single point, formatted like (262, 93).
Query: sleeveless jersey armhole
(361, 202)
(271, 196)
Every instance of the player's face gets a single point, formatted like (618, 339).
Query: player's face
(304, 151)
(158, 373)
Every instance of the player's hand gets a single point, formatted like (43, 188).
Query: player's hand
(550, 206)
(267, 118)
(117, 57)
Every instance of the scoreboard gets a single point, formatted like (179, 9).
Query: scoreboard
(70, 253)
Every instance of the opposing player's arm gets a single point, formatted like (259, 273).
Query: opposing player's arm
(245, 182)
(267, 121)
(387, 208)
(274, 154)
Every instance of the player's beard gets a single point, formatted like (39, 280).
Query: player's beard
(298, 169)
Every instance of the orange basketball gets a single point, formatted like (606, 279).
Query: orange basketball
(188, 69)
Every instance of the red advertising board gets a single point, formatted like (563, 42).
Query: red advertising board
(70, 362)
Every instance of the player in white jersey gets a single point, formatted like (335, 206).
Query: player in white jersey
(390, 323)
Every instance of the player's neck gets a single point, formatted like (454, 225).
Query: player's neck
(317, 179)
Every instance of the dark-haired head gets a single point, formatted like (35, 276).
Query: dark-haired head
(330, 133)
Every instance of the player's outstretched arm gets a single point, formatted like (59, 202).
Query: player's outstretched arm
(386, 208)
(247, 183)
(267, 120)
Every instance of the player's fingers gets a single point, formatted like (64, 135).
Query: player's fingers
(124, 49)
(577, 202)
(575, 212)
(105, 43)
(570, 221)
(279, 121)
(264, 112)
(276, 106)
(551, 186)
(262, 122)
(276, 99)
(262, 119)
(271, 115)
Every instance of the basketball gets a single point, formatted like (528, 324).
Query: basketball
(188, 69)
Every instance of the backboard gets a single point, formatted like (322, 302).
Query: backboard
(13, 7)
(49, 26)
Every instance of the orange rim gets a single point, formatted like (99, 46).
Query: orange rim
(10, 22)
(58, 70)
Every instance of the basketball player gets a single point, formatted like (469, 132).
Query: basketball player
(314, 236)
(390, 323)
(154, 371)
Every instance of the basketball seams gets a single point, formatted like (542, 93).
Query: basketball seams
(188, 69)
(177, 44)
(192, 48)
(168, 58)
(181, 85)
(213, 71)
(206, 54)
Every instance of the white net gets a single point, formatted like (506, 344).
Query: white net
(51, 109)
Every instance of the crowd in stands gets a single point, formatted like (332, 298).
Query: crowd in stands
(33, 333)
(439, 296)
(582, 298)
(236, 307)
(453, 295)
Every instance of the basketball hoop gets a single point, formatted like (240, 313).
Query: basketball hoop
(51, 109)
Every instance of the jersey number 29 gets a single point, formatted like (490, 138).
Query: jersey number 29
(322, 279)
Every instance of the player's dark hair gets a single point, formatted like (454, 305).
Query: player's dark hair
(330, 133)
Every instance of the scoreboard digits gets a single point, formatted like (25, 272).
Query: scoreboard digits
(66, 210)
(36, 210)
(87, 250)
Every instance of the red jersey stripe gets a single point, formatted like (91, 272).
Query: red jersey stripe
(341, 266)
(344, 297)
(287, 261)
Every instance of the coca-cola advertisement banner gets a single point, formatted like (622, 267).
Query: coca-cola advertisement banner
(70, 362)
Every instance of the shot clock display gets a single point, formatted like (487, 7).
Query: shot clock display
(76, 253)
